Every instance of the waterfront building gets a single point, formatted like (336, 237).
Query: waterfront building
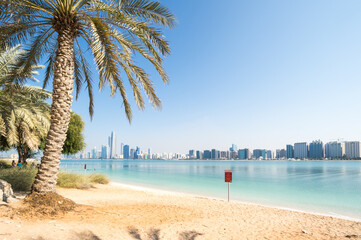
(289, 152)
(112, 142)
(231, 155)
(191, 154)
(282, 154)
(121, 149)
(207, 154)
(223, 155)
(316, 150)
(88, 155)
(126, 153)
(149, 155)
(301, 150)
(104, 154)
(269, 154)
(233, 148)
(132, 153)
(243, 153)
(259, 153)
(94, 153)
(352, 150)
(199, 154)
(215, 154)
(278, 153)
(334, 150)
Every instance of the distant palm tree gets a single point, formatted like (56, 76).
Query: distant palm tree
(114, 30)
(24, 113)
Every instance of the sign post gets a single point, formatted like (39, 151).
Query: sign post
(228, 178)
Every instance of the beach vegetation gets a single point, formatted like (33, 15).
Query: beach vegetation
(98, 179)
(62, 32)
(72, 180)
(20, 179)
(4, 164)
(74, 141)
(80, 181)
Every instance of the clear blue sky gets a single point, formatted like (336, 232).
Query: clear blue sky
(259, 74)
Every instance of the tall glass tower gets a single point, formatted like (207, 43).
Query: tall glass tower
(112, 142)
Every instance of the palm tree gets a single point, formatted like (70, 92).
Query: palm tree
(24, 118)
(24, 113)
(114, 31)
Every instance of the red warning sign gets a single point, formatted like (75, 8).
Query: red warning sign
(228, 176)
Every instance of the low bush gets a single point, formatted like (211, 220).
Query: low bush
(98, 179)
(72, 180)
(4, 164)
(20, 179)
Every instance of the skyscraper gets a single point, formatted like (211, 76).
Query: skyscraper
(207, 154)
(233, 148)
(199, 155)
(259, 153)
(352, 150)
(215, 154)
(191, 154)
(137, 154)
(126, 152)
(316, 150)
(94, 153)
(243, 153)
(149, 156)
(289, 152)
(112, 142)
(121, 149)
(269, 154)
(301, 150)
(104, 152)
(334, 150)
(132, 153)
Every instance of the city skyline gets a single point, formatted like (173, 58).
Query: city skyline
(315, 149)
(288, 71)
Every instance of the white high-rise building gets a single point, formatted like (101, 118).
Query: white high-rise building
(112, 142)
(352, 150)
(301, 150)
(334, 149)
(121, 150)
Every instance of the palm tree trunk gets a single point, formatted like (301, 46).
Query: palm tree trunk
(45, 180)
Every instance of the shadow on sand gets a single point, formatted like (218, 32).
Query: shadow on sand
(85, 235)
(154, 234)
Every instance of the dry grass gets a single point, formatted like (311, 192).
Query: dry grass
(79, 181)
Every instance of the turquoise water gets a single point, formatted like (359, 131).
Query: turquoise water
(327, 187)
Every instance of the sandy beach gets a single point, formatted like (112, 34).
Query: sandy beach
(120, 212)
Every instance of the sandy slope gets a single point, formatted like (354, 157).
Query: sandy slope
(115, 212)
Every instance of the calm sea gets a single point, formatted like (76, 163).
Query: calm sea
(326, 187)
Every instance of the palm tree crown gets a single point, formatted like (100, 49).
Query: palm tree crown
(24, 113)
(113, 30)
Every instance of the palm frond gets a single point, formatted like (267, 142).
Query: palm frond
(148, 11)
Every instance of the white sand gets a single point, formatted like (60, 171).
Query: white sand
(118, 211)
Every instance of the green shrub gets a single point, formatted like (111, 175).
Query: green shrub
(98, 179)
(4, 164)
(20, 179)
(72, 180)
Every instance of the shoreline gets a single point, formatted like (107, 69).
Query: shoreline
(160, 191)
(128, 212)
